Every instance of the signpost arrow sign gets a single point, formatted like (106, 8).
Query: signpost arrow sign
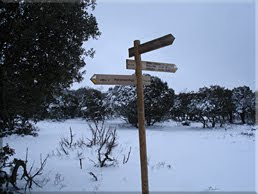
(139, 80)
(153, 44)
(152, 66)
(107, 79)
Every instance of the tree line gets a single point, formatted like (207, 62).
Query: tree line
(212, 106)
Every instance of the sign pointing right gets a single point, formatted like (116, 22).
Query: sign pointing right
(153, 44)
(152, 66)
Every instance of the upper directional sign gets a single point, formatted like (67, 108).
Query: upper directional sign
(152, 66)
(153, 44)
(106, 79)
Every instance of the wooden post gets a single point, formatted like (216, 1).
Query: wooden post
(141, 119)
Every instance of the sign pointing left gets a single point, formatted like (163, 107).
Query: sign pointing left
(107, 79)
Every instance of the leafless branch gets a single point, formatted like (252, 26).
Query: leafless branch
(71, 138)
(62, 145)
(26, 159)
(95, 164)
(125, 160)
(94, 176)
(27, 176)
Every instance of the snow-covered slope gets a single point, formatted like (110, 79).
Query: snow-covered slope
(179, 158)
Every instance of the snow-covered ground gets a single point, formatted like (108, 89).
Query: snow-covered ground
(180, 158)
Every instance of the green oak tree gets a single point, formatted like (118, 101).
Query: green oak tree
(41, 55)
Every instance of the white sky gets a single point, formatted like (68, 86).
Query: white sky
(215, 41)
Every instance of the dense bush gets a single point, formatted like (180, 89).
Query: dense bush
(93, 106)
(158, 99)
(86, 103)
(215, 105)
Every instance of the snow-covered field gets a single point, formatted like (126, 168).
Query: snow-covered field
(180, 158)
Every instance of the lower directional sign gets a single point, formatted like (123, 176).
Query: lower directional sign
(152, 66)
(106, 79)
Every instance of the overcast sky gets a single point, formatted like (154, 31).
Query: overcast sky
(214, 41)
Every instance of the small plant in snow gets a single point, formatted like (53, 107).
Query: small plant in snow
(125, 159)
(106, 145)
(248, 134)
(106, 140)
(160, 165)
(59, 179)
(67, 143)
(211, 188)
(80, 157)
(28, 175)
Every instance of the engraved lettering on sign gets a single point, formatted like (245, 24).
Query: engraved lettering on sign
(118, 79)
(152, 66)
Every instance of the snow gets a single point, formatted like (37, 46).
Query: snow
(180, 158)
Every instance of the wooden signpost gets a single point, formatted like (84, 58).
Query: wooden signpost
(139, 80)
(136, 51)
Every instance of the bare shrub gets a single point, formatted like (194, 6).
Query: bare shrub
(106, 145)
(96, 133)
(67, 143)
(106, 140)
(5, 153)
(28, 175)
(81, 142)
